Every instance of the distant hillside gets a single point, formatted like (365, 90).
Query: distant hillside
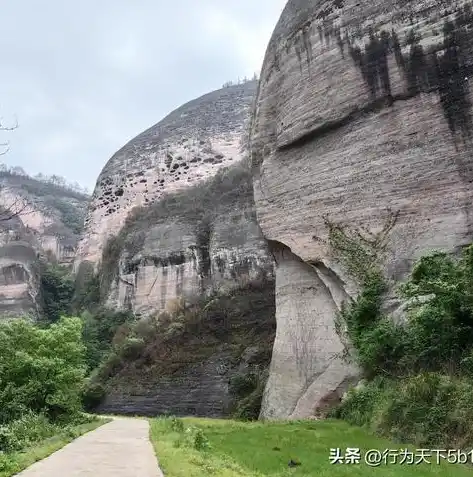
(40, 217)
(50, 209)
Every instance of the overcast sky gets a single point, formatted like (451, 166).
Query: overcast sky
(85, 77)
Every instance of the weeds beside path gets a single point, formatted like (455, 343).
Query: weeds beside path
(120, 448)
(18, 461)
(206, 447)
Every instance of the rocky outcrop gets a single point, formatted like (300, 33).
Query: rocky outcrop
(19, 273)
(186, 147)
(51, 214)
(363, 111)
(19, 280)
(37, 220)
(199, 241)
(172, 214)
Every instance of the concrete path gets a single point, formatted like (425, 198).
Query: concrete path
(120, 448)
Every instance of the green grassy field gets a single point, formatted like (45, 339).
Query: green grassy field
(204, 447)
(11, 464)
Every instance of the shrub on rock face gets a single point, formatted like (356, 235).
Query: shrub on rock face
(57, 289)
(221, 328)
(101, 330)
(132, 348)
(246, 390)
(419, 370)
(243, 384)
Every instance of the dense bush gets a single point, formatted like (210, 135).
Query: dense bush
(57, 289)
(418, 371)
(41, 370)
(427, 408)
(92, 395)
(378, 344)
(246, 390)
(438, 335)
(99, 329)
(25, 431)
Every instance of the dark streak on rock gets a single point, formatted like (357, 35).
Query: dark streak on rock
(443, 69)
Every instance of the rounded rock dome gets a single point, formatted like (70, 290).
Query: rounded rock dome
(187, 146)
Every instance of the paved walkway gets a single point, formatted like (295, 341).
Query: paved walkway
(120, 448)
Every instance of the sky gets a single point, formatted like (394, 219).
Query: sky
(84, 78)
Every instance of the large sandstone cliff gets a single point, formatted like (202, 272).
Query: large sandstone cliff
(200, 240)
(363, 111)
(187, 146)
(172, 223)
(193, 227)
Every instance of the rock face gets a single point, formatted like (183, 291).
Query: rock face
(19, 274)
(186, 369)
(176, 261)
(201, 240)
(196, 230)
(52, 215)
(36, 219)
(186, 147)
(363, 111)
(192, 237)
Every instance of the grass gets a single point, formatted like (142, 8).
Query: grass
(259, 449)
(18, 461)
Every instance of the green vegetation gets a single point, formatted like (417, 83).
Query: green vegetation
(202, 447)
(57, 290)
(418, 372)
(247, 390)
(42, 372)
(72, 216)
(44, 445)
(99, 330)
(43, 369)
(99, 324)
(188, 334)
(86, 289)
